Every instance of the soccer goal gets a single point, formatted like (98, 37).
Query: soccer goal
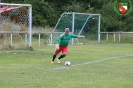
(15, 26)
(79, 24)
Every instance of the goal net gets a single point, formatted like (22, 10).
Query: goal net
(15, 26)
(79, 24)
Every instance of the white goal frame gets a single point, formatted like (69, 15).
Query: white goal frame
(29, 32)
(49, 41)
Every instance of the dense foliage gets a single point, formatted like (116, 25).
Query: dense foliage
(47, 12)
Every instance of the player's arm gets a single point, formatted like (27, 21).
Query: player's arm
(58, 42)
(78, 36)
(60, 38)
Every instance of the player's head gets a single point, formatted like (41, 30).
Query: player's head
(66, 31)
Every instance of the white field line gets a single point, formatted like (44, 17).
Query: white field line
(91, 62)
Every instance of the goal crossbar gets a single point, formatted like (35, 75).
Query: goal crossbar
(11, 4)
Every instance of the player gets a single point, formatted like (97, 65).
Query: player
(62, 44)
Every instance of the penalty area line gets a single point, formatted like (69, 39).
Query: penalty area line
(90, 62)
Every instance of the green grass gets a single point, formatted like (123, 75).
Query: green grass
(92, 66)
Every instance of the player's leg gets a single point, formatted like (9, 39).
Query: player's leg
(62, 55)
(55, 54)
(64, 52)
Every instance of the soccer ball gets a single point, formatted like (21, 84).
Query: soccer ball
(67, 63)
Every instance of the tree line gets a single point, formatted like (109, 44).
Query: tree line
(47, 12)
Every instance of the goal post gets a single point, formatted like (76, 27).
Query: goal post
(79, 24)
(15, 26)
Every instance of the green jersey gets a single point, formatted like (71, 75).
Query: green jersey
(64, 39)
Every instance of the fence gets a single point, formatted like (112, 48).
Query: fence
(106, 33)
(114, 35)
(52, 37)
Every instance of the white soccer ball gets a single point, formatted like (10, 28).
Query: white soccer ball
(67, 63)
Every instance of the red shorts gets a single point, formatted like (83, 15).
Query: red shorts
(62, 49)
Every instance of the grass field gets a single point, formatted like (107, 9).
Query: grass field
(92, 66)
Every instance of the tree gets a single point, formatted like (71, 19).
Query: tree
(47, 12)
(111, 21)
(43, 13)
